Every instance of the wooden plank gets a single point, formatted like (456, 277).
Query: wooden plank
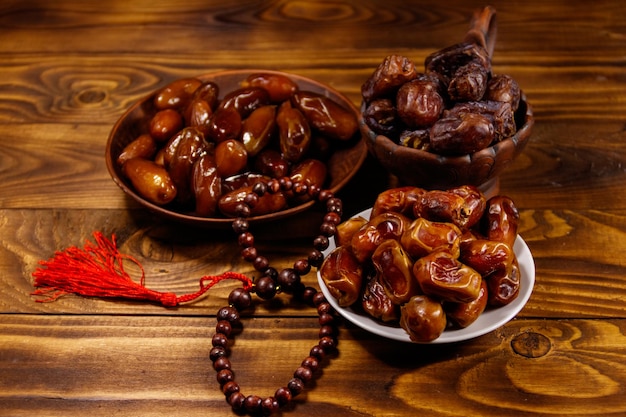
(73, 365)
(211, 26)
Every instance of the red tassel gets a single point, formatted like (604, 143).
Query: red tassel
(98, 271)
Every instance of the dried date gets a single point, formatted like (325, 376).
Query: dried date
(381, 116)
(447, 61)
(278, 86)
(294, 132)
(377, 303)
(394, 271)
(343, 276)
(462, 206)
(501, 220)
(504, 285)
(151, 181)
(229, 203)
(469, 83)
(206, 185)
(462, 315)
(245, 100)
(399, 200)
(462, 134)
(498, 113)
(177, 94)
(389, 76)
(419, 103)
(143, 146)
(504, 88)
(423, 237)
(423, 319)
(258, 129)
(325, 115)
(441, 275)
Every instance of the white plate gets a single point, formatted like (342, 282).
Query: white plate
(491, 319)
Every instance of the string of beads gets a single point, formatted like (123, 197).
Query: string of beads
(271, 283)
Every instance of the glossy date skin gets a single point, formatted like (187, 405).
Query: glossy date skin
(258, 128)
(377, 303)
(388, 225)
(165, 124)
(501, 220)
(186, 147)
(442, 276)
(394, 271)
(462, 206)
(278, 86)
(152, 181)
(347, 229)
(504, 285)
(423, 319)
(177, 94)
(144, 146)
(399, 200)
(325, 115)
(268, 203)
(245, 100)
(206, 185)
(462, 315)
(343, 275)
(294, 132)
(486, 256)
(423, 237)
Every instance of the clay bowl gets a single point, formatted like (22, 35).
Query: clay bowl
(342, 165)
(431, 171)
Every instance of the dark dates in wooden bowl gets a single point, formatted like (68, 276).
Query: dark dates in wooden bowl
(430, 266)
(193, 149)
(451, 121)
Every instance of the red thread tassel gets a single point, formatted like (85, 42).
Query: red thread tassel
(97, 270)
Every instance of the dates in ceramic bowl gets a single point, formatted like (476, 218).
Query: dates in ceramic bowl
(427, 261)
(213, 136)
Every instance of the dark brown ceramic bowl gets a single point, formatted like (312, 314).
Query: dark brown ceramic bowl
(342, 165)
(431, 171)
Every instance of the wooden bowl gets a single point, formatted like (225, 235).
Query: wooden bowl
(432, 171)
(342, 165)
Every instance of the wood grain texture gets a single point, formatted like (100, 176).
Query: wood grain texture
(53, 365)
(68, 70)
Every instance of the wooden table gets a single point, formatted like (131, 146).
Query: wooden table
(68, 70)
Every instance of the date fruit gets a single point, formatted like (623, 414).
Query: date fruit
(423, 319)
(343, 276)
(394, 271)
(442, 276)
(150, 180)
(325, 115)
(143, 146)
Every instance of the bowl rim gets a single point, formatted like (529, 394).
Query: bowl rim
(226, 221)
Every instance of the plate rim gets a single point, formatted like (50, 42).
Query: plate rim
(480, 327)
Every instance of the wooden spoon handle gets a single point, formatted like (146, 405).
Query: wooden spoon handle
(483, 29)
